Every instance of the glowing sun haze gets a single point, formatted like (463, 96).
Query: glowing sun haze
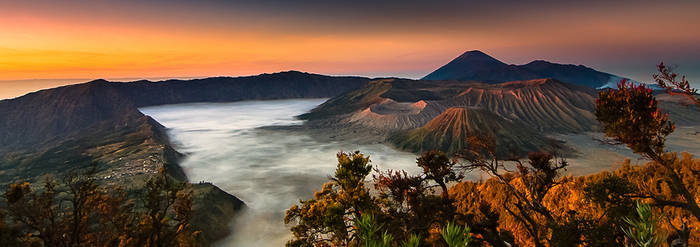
(409, 38)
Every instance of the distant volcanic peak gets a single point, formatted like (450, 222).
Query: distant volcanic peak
(477, 66)
(475, 60)
(470, 65)
(476, 56)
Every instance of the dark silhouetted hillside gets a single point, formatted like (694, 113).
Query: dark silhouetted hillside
(477, 66)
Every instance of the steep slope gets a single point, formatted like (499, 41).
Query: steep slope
(419, 115)
(283, 85)
(544, 105)
(140, 147)
(477, 66)
(67, 128)
(350, 101)
(47, 117)
(450, 130)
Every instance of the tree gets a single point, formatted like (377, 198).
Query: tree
(345, 213)
(167, 206)
(438, 168)
(56, 220)
(630, 115)
(409, 203)
(476, 205)
(80, 212)
(669, 81)
(327, 218)
(521, 193)
(613, 197)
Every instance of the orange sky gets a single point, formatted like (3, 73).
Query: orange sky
(105, 39)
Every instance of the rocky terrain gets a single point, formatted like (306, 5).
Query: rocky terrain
(423, 115)
(448, 131)
(520, 106)
(418, 115)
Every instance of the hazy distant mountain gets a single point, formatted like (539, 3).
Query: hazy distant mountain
(478, 66)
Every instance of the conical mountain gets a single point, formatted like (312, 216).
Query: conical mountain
(450, 131)
(478, 66)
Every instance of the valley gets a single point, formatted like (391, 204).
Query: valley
(242, 148)
(252, 146)
(349, 123)
(260, 152)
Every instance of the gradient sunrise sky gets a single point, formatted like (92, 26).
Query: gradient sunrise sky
(407, 38)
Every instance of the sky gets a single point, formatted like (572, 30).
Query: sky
(62, 40)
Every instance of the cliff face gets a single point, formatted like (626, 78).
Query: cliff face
(49, 116)
(213, 210)
(62, 129)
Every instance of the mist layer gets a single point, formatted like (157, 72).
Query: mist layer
(268, 169)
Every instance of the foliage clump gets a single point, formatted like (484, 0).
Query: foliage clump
(643, 228)
(78, 211)
(521, 202)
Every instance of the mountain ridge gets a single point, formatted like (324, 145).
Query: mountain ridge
(53, 113)
(448, 131)
(58, 130)
(401, 112)
(471, 65)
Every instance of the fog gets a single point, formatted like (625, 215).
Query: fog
(267, 168)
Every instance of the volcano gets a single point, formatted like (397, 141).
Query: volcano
(478, 66)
